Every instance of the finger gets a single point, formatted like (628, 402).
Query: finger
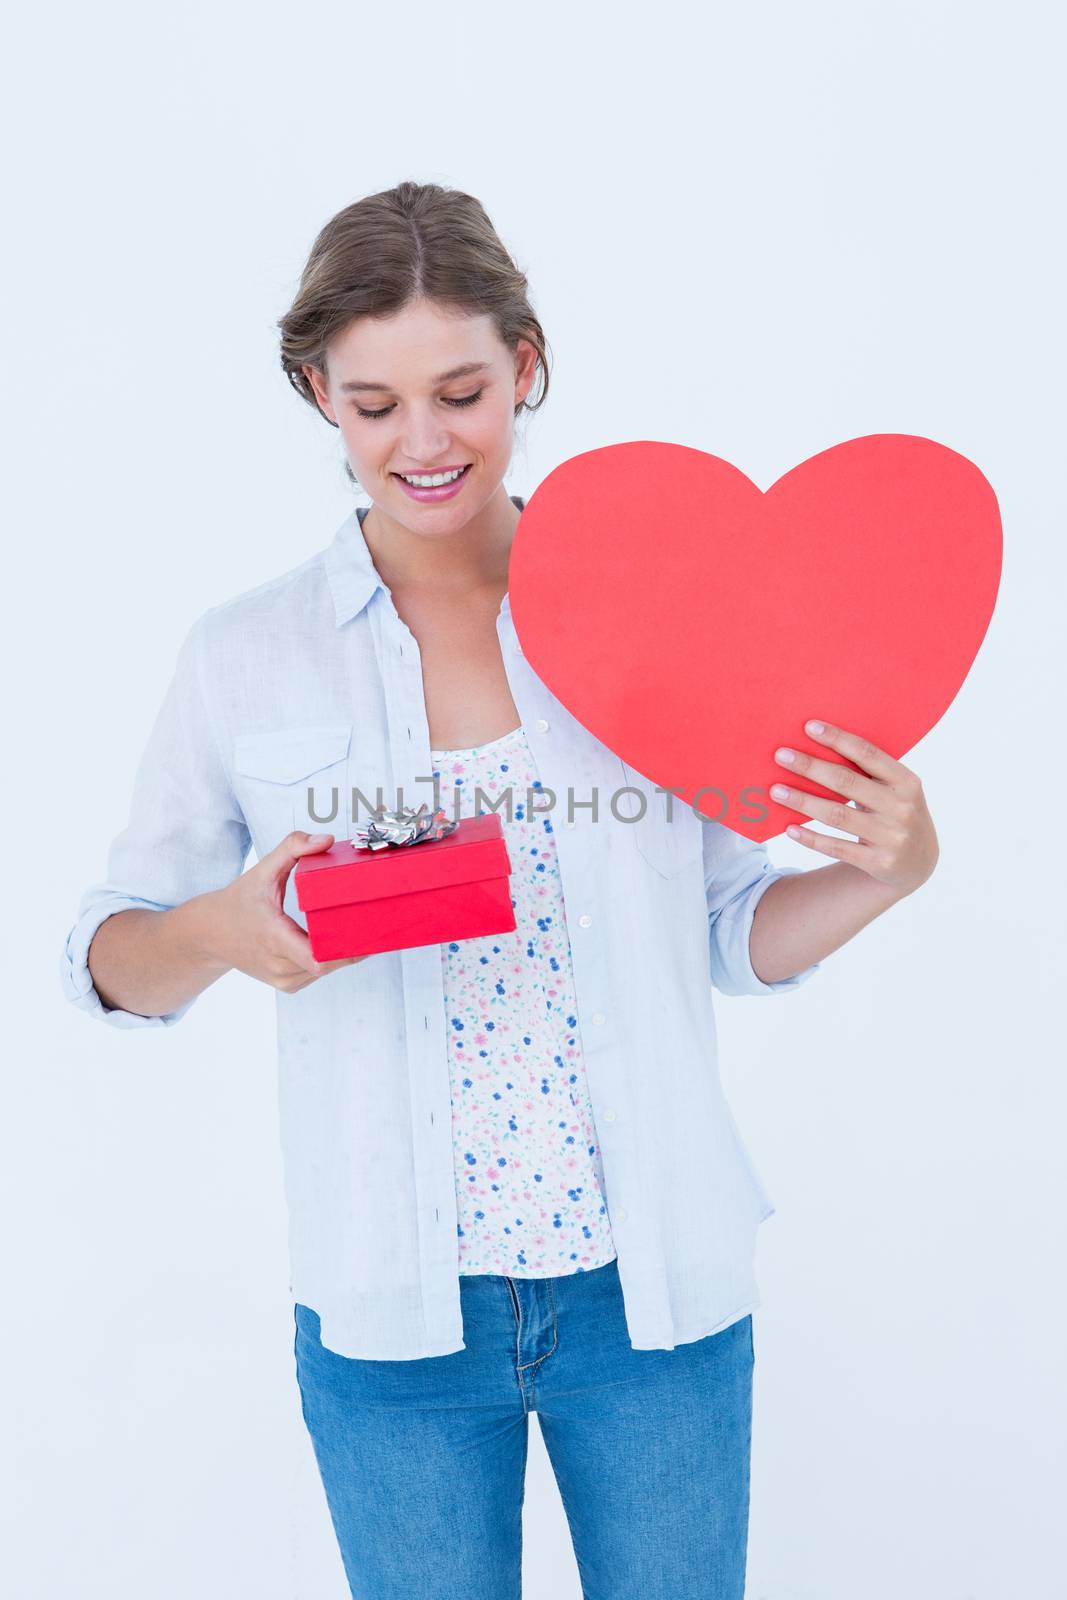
(858, 749)
(826, 845)
(835, 813)
(832, 775)
(280, 861)
(291, 943)
(295, 946)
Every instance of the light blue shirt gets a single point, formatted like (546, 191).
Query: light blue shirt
(313, 682)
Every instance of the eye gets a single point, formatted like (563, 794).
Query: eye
(465, 400)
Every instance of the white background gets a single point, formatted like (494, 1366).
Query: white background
(756, 230)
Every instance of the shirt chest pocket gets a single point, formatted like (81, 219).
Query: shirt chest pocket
(293, 778)
(670, 841)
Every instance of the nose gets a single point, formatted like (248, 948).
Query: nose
(424, 439)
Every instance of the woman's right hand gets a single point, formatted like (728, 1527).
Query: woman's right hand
(250, 930)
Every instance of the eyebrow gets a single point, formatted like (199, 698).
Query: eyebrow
(351, 385)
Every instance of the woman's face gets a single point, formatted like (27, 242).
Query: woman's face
(403, 408)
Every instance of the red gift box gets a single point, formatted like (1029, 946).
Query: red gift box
(359, 901)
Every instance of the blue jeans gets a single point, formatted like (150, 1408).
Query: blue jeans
(423, 1462)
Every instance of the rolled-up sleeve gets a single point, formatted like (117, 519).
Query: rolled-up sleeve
(186, 833)
(737, 874)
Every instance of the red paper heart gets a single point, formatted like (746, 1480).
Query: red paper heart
(694, 623)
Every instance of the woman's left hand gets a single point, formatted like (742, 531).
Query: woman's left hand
(896, 842)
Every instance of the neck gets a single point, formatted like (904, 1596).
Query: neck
(473, 557)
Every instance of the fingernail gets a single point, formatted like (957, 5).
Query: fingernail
(787, 756)
(814, 727)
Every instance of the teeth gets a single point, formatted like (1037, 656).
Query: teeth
(431, 481)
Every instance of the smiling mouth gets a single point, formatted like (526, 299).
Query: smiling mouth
(433, 480)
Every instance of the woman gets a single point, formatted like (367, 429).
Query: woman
(514, 1182)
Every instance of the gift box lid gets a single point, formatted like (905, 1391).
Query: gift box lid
(346, 874)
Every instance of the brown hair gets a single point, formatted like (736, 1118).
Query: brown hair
(417, 240)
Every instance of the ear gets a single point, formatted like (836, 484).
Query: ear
(315, 378)
(525, 368)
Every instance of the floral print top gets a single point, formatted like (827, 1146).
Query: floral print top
(529, 1179)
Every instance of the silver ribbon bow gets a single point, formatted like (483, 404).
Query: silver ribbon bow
(406, 826)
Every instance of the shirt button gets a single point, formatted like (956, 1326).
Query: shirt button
(585, 920)
(599, 1017)
(541, 725)
(609, 1116)
(620, 1215)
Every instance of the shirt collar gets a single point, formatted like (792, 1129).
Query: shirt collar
(350, 569)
